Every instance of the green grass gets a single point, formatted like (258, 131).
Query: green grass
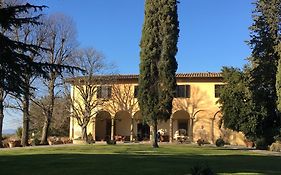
(133, 159)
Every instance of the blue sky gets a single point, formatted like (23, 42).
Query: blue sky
(212, 33)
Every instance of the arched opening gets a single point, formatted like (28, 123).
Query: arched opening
(202, 126)
(123, 122)
(217, 126)
(141, 128)
(103, 126)
(180, 125)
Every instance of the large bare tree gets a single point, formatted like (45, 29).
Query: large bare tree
(85, 90)
(61, 43)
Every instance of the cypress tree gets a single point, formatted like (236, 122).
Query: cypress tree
(264, 39)
(158, 65)
(278, 51)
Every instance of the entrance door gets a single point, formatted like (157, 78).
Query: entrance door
(143, 131)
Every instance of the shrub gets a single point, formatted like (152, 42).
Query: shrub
(90, 138)
(19, 132)
(35, 142)
(111, 142)
(275, 147)
(220, 142)
(201, 170)
(261, 144)
(200, 142)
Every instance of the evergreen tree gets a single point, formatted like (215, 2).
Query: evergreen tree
(15, 56)
(158, 64)
(16, 61)
(264, 39)
(236, 102)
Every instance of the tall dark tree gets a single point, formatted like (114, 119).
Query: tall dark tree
(15, 56)
(236, 103)
(265, 33)
(278, 51)
(158, 65)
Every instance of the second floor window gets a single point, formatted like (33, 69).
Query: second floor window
(218, 88)
(183, 91)
(136, 90)
(104, 92)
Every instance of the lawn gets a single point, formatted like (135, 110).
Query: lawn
(133, 159)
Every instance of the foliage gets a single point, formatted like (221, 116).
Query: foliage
(201, 170)
(220, 142)
(90, 138)
(276, 146)
(261, 144)
(200, 142)
(249, 97)
(19, 132)
(265, 38)
(15, 56)
(35, 142)
(111, 142)
(236, 104)
(158, 65)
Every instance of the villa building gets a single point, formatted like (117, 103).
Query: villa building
(195, 114)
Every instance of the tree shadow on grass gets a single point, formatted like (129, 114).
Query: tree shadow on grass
(137, 164)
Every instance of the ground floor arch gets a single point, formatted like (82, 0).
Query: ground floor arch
(203, 127)
(123, 126)
(140, 127)
(103, 126)
(179, 124)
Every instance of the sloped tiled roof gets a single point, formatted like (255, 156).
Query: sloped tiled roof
(135, 76)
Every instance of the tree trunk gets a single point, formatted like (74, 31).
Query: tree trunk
(44, 137)
(1, 114)
(26, 118)
(84, 133)
(50, 109)
(154, 135)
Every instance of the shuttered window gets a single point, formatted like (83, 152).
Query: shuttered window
(218, 88)
(183, 91)
(104, 92)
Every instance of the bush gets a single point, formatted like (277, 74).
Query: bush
(35, 142)
(220, 142)
(90, 139)
(261, 144)
(201, 170)
(200, 142)
(111, 142)
(19, 132)
(275, 147)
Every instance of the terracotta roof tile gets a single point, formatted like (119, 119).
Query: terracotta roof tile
(178, 75)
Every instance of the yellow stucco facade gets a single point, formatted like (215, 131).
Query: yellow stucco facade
(195, 110)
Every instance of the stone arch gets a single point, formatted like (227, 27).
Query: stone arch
(216, 131)
(180, 120)
(103, 125)
(123, 121)
(141, 130)
(202, 126)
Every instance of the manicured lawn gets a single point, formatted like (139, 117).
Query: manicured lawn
(132, 159)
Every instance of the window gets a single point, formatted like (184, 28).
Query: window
(218, 88)
(136, 90)
(104, 92)
(183, 91)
